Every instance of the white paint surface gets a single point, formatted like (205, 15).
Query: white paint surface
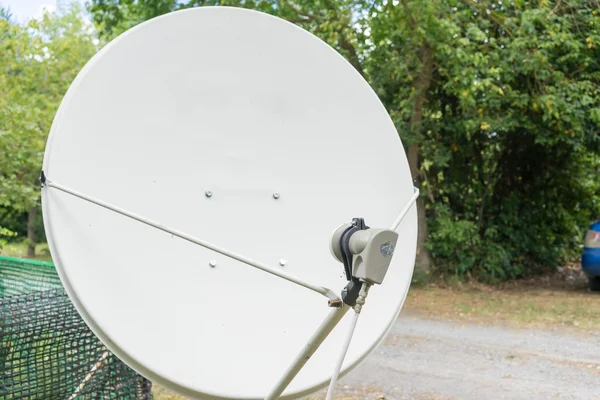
(244, 105)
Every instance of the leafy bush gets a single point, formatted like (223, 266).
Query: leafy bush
(453, 243)
(5, 234)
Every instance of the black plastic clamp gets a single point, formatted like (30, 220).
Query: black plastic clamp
(351, 291)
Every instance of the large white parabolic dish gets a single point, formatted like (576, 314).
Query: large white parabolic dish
(243, 105)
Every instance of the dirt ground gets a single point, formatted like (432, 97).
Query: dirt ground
(537, 338)
(438, 359)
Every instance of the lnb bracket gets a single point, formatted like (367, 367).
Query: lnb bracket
(366, 254)
(42, 179)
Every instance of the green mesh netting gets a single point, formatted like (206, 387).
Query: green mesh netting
(46, 350)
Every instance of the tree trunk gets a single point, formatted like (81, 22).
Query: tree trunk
(31, 232)
(422, 84)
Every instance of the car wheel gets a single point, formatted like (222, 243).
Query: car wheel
(594, 283)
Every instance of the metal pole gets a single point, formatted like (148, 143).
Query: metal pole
(330, 322)
(319, 289)
(338, 367)
(404, 211)
(360, 302)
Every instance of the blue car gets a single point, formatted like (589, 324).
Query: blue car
(590, 260)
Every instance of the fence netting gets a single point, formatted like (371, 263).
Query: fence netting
(47, 352)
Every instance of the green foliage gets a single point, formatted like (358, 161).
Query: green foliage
(38, 61)
(5, 234)
(508, 135)
(454, 243)
(499, 101)
(459, 249)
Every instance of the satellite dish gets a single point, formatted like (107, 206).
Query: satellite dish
(193, 177)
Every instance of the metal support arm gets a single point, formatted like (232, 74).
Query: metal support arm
(407, 207)
(334, 298)
(330, 322)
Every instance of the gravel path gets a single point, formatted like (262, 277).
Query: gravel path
(437, 360)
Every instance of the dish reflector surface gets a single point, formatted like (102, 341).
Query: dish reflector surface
(242, 105)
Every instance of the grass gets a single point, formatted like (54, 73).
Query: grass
(344, 392)
(541, 308)
(556, 301)
(19, 249)
(160, 393)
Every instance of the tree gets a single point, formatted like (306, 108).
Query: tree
(497, 101)
(509, 132)
(38, 61)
